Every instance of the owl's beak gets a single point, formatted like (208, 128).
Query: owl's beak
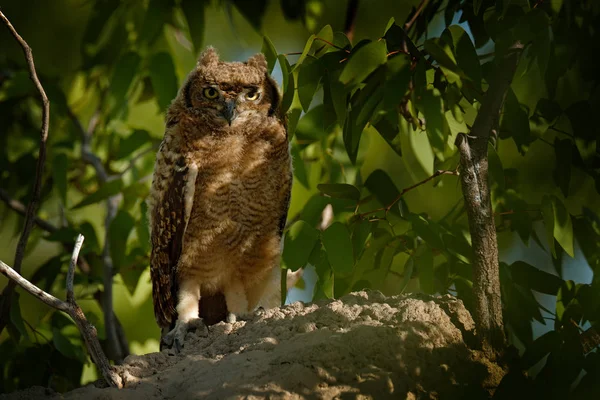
(229, 111)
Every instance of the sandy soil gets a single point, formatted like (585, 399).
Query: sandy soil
(363, 345)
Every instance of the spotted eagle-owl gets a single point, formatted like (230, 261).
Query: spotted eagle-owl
(220, 195)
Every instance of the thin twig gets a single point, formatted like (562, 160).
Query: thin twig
(37, 186)
(71, 271)
(405, 190)
(410, 23)
(88, 331)
(332, 45)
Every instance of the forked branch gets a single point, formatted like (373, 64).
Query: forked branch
(88, 331)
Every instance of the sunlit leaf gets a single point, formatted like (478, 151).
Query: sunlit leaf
(309, 76)
(270, 53)
(299, 242)
(363, 62)
(337, 242)
(138, 138)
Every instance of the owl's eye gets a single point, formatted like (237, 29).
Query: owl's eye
(210, 93)
(252, 95)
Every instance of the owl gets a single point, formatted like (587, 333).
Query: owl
(219, 198)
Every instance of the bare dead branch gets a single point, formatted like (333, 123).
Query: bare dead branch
(37, 186)
(71, 272)
(476, 193)
(88, 331)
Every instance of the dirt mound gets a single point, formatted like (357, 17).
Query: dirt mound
(360, 346)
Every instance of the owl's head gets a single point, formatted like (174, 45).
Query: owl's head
(227, 94)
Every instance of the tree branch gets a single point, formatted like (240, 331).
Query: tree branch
(476, 193)
(88, 331)
(35, 198)
(115, 349)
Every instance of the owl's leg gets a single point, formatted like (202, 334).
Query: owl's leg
(187, 310)
(235, 297)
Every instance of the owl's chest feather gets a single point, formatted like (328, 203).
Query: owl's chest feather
(236, 184)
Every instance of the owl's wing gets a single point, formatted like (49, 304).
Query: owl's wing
(173, 194)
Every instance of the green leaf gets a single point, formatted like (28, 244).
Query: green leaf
(564, 160)
(550, 341)
(133, 142)
(409, 267)
(307, 47)
(558, 224)
(309, 76)
(389, 130)
(337, 243)
(325, 284)
(299, 167)
(16, 318)
(424, 262)
(432, 109)
(293, 119)
(321, 47)
(164, 79)
(105, 191)
(142, 227)
(495, 167)
(465, 53)
(253, 11)
(515, 122)
(339, 190)
(288, 84)
(157, 13)
(118, 233)
(381, 185)
(60, 168)
(65, 234)
(194, 13)
(565, 295)
(477, 6)
(533, 278)
(442, 53)
(360, 233)
(363, 62)
(270, 53)
(299, 242)
(427, 230)
(122, 78)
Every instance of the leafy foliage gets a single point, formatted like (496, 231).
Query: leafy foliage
(368, 120)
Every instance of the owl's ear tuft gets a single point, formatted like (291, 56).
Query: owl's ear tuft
(258, 61)
(208, 57)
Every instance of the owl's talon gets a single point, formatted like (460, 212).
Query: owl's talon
(176, 338)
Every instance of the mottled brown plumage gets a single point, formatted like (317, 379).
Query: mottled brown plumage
(220, 195)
